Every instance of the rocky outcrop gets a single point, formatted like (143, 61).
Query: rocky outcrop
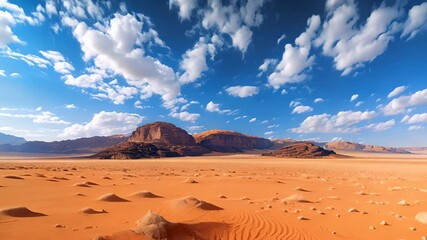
(162, 132)
(229, 141)
(132, 150)
(349, 146)
(301, 150)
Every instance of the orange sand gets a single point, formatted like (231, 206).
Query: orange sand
(232, 197)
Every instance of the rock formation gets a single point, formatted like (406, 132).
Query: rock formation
(349, 146)
(229, 141)
(162, 132)
(301, 150)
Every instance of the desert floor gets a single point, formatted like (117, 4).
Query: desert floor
(371, 196)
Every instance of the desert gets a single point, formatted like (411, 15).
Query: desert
(238, 196)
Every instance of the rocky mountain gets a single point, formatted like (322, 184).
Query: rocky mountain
(162, 132)
(229, 141)
(349, 146)
(10, 139)
(158, 139)
(301, 150)
(80, 145)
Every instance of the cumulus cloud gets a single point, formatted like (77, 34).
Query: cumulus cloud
(343, 122)
(352, 46)
(185, 116)
(296, 60)
(252, 120)
(185, 7)
(2, 73)
(416, 118)
(416, 22)
(319, 100)
(382, 126)
(294, 103)
(242, 91)
(302, 109)
(214, 107)
(267, 63)
(401, 104)
(104, 124)
(194, 61)
(354, 97)
(117, 48)
(396, 92)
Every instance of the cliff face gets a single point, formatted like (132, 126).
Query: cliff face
(162, 132)
(301, 150)
(228, 141)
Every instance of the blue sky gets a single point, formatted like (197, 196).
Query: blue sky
(322, 70)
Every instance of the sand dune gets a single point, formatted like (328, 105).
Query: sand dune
(145, 194)
(190, 202)
(20, 212)
(92, 211)
(111, 197)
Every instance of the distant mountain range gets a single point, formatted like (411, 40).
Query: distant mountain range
(10, 139)
(81, 145)
(166, 139)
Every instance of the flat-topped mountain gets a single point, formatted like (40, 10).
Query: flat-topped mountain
(301, 150)
(162, 132)
(349, 146)
(229, 141)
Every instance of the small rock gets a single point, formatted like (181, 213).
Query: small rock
(403, 203)
(372, 227)
(384, 223)
(412, 229)
(59, 226)
(302, 218)
(338, 215)
(351, 210)
(333, 232)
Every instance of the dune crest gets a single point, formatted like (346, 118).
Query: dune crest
(111, 197)
(20, 212)
(190, 202)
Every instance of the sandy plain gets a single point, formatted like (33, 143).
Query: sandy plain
(369, 196)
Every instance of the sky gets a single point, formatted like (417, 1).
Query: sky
(301, 69)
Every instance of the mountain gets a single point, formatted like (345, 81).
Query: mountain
(162, 132)
(229, 141)
(301, 150)
(10, 139)
(153, 140)
(80, 145)
(349, 146)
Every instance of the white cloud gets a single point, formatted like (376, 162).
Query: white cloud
(242, 91)
(401, 104)
(397, 91)
(267, 63)
(416, 118)
(194, 62)
(354, 97)
(214, 107)
(416, 22)
(138, 104)
(273, 126)
(43, 117)
(302, 109)
(382, 126)
(185, 116)
(343, 122)
(185, 7)
(70, 106)
(242, 38)
(282, 37)
(319, 100)
(2, 73)
(264, 122)
(358, 104)
(195, 128)
(269, 133)
(50, 7)
(294, 103)
(415, 127)
(59, 63)
(296, 60)
(187, 105)
(104, 124)
(30, 59)
(252, 120)
(352, 46)
(117, 48)
(15, 75)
